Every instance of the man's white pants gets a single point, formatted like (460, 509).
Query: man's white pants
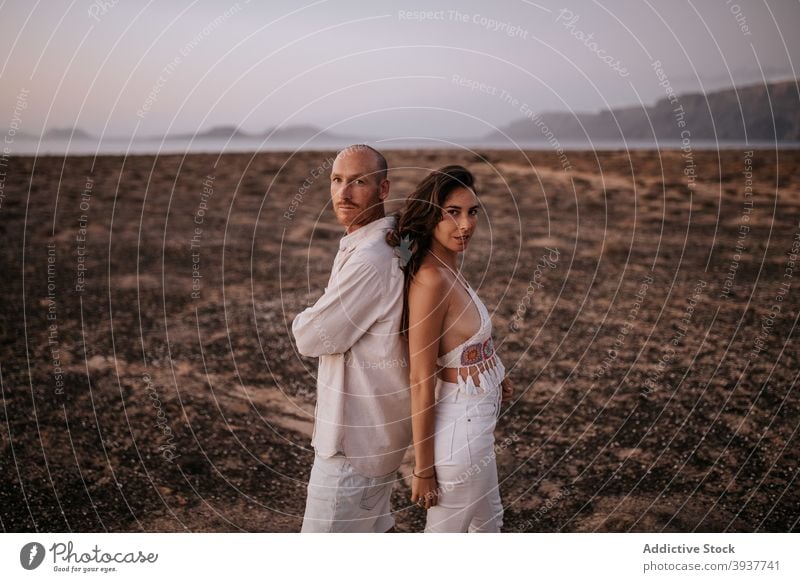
(342, 500)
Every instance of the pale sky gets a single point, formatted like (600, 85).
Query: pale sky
(374, 68)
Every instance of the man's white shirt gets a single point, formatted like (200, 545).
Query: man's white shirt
(363, 401)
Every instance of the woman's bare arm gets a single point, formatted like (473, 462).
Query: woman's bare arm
(427, 305)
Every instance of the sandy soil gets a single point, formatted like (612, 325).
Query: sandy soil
(656, 364)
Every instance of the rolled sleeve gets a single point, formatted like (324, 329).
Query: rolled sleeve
(350, 305)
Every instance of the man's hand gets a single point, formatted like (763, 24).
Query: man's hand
(508, 389)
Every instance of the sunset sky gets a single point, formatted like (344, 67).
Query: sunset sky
(377, 68)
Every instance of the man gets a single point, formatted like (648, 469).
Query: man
(362, 421)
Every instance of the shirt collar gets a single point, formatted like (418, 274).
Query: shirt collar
(367, 232)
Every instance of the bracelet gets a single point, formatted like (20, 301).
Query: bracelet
(421, 477)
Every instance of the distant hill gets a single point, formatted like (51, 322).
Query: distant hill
(303, 132)
(66, 133)
(728, 115)
(291, 132)
(220, 131)
(711, 116)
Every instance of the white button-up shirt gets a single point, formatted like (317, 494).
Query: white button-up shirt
(363, 399)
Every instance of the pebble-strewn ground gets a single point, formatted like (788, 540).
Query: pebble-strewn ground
(656, 363)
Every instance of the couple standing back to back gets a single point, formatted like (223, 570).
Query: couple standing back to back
(405, 353)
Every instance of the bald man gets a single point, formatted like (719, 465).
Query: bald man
(362, 421)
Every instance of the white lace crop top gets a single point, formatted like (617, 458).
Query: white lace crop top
(477, 351)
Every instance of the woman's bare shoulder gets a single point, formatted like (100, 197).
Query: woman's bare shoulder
(429, 294)
(430, 278)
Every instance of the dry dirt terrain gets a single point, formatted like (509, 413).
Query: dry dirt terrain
(645, 304)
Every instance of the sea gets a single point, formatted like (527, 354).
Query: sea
(123, 147)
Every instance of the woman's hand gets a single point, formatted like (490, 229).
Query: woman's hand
(424, 491)
(508, 388)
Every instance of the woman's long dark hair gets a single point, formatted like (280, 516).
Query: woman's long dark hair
(418, 218)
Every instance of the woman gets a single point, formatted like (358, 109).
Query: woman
(457, 380)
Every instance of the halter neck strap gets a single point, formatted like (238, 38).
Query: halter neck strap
(457, 275)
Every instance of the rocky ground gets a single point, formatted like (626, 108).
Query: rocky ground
(656, 362)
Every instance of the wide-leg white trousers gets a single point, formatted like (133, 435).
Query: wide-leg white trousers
(464, 457)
